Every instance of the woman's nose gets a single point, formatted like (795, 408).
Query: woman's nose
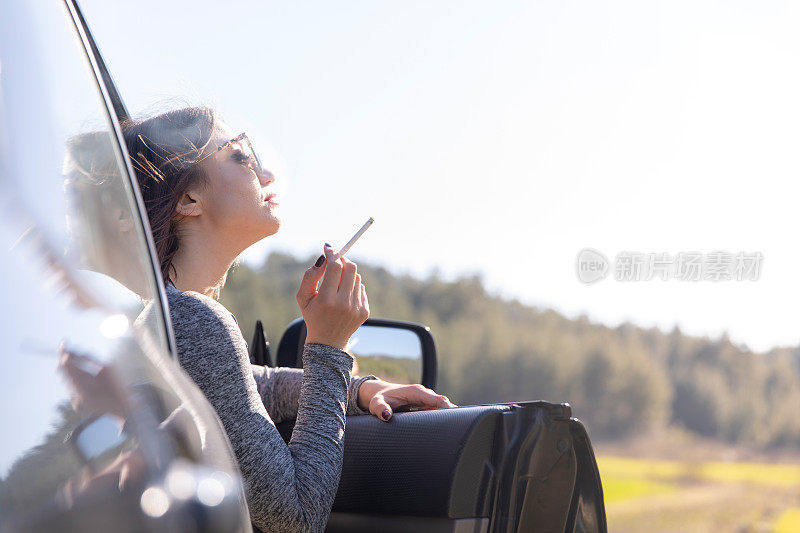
(266, 177)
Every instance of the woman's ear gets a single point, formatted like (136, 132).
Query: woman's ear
(189, 205)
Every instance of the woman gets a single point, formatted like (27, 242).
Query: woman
(208, 199)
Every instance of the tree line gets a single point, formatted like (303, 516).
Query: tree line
(621, 381)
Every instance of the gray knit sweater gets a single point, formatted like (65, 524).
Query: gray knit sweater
(288, 487)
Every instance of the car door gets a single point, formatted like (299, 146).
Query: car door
(520, 466)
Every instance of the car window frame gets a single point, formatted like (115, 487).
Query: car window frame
(116, 110)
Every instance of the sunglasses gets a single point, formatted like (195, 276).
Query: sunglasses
(247, 149)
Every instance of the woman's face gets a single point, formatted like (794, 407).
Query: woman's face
(238, 201)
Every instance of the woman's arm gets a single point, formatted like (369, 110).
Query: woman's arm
(279, 389)
(288, 487)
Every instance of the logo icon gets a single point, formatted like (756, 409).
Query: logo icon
(591, 266)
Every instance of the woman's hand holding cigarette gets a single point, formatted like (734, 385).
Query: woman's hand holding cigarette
(334, 310)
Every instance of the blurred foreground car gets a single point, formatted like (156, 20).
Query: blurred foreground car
(100, 429)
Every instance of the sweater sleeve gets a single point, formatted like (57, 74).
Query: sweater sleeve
(290, 487)
(279, 389)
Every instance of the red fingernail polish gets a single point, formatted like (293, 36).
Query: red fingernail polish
(386, 414)
(320, 260)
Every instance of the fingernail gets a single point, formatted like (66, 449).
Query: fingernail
(386, 415)
(320, 260)
(328, 245)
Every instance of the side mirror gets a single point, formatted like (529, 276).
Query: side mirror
(95, 437)
(401, 352)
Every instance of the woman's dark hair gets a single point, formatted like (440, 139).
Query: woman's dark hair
(165, 149)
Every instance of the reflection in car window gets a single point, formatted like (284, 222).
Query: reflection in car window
(104, 240)
(93, 408)
(81, 197)
(67, 201)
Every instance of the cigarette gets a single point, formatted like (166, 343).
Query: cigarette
(352, 241)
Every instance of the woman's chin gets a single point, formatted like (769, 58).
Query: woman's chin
(272, 226)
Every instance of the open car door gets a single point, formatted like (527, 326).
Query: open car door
(522, 466)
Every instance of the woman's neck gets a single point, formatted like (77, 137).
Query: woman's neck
(202, 264)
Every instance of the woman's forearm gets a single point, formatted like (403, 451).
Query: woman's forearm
(320, 426)
(279, 389)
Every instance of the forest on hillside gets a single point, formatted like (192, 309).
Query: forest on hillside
(621, 382)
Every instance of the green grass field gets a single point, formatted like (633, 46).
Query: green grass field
(667, 496)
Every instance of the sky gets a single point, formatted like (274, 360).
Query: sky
(503, 138)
